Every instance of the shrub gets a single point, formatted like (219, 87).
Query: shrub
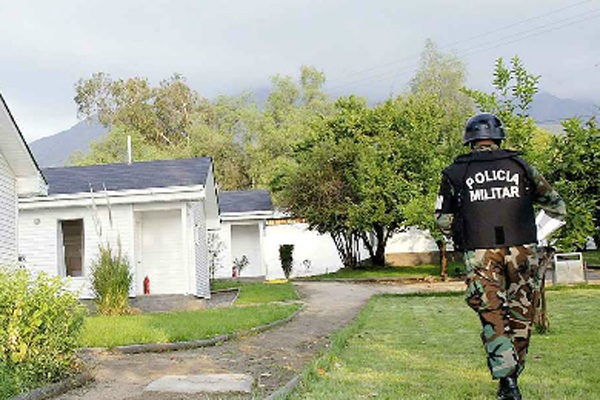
(287, 259)
(111, 281)
(40, 325)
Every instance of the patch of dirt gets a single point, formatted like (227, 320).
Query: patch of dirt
(272, 357)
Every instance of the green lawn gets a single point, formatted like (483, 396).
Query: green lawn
(419, 271)
(592, 257)
(259, 292)
(101, 331)
(428, 347)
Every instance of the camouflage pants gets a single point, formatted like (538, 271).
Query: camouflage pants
(500, 288)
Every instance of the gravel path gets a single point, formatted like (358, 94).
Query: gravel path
(272, 357)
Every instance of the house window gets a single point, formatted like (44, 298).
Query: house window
(72, 247)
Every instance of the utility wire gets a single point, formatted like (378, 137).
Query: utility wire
(555, 25)
(465, 40)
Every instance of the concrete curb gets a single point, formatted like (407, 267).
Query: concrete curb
(193, 344)
(285, 389)
(58, 388)
(406, 281)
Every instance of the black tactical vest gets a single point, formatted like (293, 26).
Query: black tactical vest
(494, 200)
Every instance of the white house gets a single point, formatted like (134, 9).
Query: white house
(158, 211)
(250, 227)
(243, 221)
(19, 176)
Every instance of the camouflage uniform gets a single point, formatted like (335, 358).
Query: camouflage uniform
(501, 286)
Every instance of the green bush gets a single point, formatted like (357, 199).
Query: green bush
(287, 259)
(40, 325)
(111, 281)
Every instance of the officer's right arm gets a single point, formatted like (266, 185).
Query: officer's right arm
(444, 207)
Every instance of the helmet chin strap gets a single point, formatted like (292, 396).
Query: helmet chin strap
(485, 142)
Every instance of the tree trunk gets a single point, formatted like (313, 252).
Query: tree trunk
(441, 244)
(346, 244)
(378, 258)
(540, 316)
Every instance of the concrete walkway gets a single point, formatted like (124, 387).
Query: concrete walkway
(271, 358)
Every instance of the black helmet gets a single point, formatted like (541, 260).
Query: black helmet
(483, 126)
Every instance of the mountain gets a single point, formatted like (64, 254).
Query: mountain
(548, 110)
(54, 151)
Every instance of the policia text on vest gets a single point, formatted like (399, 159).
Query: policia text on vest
(493, 205)
(495, 192)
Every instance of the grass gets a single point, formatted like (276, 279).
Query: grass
(259, 292)
(592, 257)
(428, 347)
(419, 271)
(101, 331)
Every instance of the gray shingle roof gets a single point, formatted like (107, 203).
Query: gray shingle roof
(245, 201)
(138, 175)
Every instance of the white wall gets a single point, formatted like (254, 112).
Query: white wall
(319, 250)
(39, 241)
(8, 215)
(241, 238)
(413, 240)
(245, 241)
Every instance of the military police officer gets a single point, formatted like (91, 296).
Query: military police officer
(486, 203)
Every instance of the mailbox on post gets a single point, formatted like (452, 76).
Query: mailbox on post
(569, 268)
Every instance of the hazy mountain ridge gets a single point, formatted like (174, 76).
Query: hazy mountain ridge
(54, 151)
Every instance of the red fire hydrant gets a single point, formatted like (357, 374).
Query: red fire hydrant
(234, 272)
(146, 285)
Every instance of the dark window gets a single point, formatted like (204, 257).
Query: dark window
(72, 244)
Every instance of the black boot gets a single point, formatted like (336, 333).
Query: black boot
(508, 389)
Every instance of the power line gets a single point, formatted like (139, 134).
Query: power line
(466, 39)
(555, 25)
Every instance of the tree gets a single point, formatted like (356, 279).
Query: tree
(288, 117)
(249, 145)
(514, 89)
(575, 165)
(441, 78)
(360, 173)
(161, 114)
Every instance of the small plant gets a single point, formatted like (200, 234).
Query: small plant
(287, 260)
(240, 264)
(111, 280)
(40, 325)
(215, 254)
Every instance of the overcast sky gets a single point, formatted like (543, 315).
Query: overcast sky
(225, 47)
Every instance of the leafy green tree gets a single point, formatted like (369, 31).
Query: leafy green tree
(568, 161)
(441, 78)
(575, 165)
(249, 145)
(161, 114)
(514, 89)
(288, 118)
(363, 169)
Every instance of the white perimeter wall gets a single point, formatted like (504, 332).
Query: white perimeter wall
(319, 251)
(314, 253)
(413, 240)
(39, 241)
(8, 215)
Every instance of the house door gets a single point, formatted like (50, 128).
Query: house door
(245, 241)
(161, 258)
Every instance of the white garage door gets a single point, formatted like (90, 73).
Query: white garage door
(162, 252)
(245, 241)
